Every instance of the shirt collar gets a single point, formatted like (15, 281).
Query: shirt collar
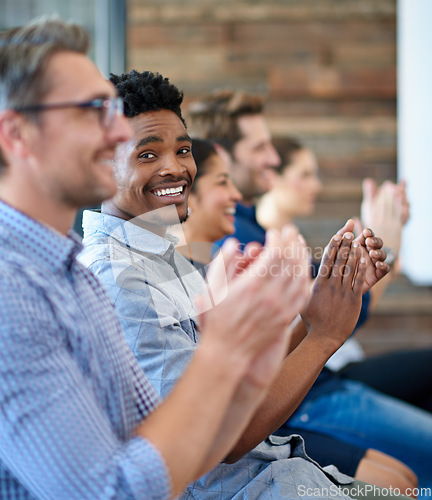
(38, 242)
(127, 233)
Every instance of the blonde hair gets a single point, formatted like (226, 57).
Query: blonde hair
(24, 54)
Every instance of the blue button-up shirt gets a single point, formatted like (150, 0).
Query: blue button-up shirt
(71, 393)
(152, 288)
(247, 228)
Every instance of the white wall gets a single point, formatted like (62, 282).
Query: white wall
(415, 133)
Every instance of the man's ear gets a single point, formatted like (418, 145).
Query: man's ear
(14, 136)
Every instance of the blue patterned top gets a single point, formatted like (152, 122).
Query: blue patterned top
(71, 393)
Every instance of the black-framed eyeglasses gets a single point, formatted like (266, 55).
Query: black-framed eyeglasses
(108, 108)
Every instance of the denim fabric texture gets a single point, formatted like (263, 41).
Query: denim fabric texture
(357, 414)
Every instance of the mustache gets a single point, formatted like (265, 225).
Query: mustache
(171, 179)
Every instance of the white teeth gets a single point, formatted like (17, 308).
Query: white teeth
(230, 211)
(169, 191)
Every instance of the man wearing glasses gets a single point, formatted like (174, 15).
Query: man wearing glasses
(78, 417)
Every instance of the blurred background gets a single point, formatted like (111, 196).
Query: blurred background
(351, 78)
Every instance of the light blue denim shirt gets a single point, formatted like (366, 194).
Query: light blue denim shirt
(152, 288)
(148, 282)
(71, 393)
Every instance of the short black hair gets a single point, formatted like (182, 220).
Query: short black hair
(147, 91)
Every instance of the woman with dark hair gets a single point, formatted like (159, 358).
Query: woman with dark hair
(212, 202)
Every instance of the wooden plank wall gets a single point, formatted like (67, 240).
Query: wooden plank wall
(328, 71)
(326, 67)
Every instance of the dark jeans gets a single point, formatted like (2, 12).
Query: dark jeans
(327, 450)
(405, 375)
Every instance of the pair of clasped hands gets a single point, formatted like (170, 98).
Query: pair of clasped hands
(259, 292)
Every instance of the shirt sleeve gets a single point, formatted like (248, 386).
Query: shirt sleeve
(160, 334)
(56, 437)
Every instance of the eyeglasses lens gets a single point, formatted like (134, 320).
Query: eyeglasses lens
(110, 109)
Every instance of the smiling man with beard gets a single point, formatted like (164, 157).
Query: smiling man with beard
(156, 169)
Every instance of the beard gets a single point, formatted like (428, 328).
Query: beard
(162, 217)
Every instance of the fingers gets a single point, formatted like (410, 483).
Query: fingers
(250, 253)
(252, 250)
(358, 226)
(270, 255)
(329, 256)
(359, 277)
(279, 271)
(391, 202)
(405, 205)
(387, 208)
(266, 296)
(288, 264)
(373, 243)
(365, 234)
(373, 246)
(348, 227)
(219, 273)
(226, 260)
(369, 189)
(340, 265)
(381, 269)
(341, 261)
(298, 261)
(226, 255)
(295, 247)
(349, 271)
(375, 250)
(229, 249)
(377, 255)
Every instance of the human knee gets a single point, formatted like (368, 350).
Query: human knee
(394, 464)
(387, 472)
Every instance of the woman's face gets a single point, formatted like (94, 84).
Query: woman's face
(212, 203)
(297, 188)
